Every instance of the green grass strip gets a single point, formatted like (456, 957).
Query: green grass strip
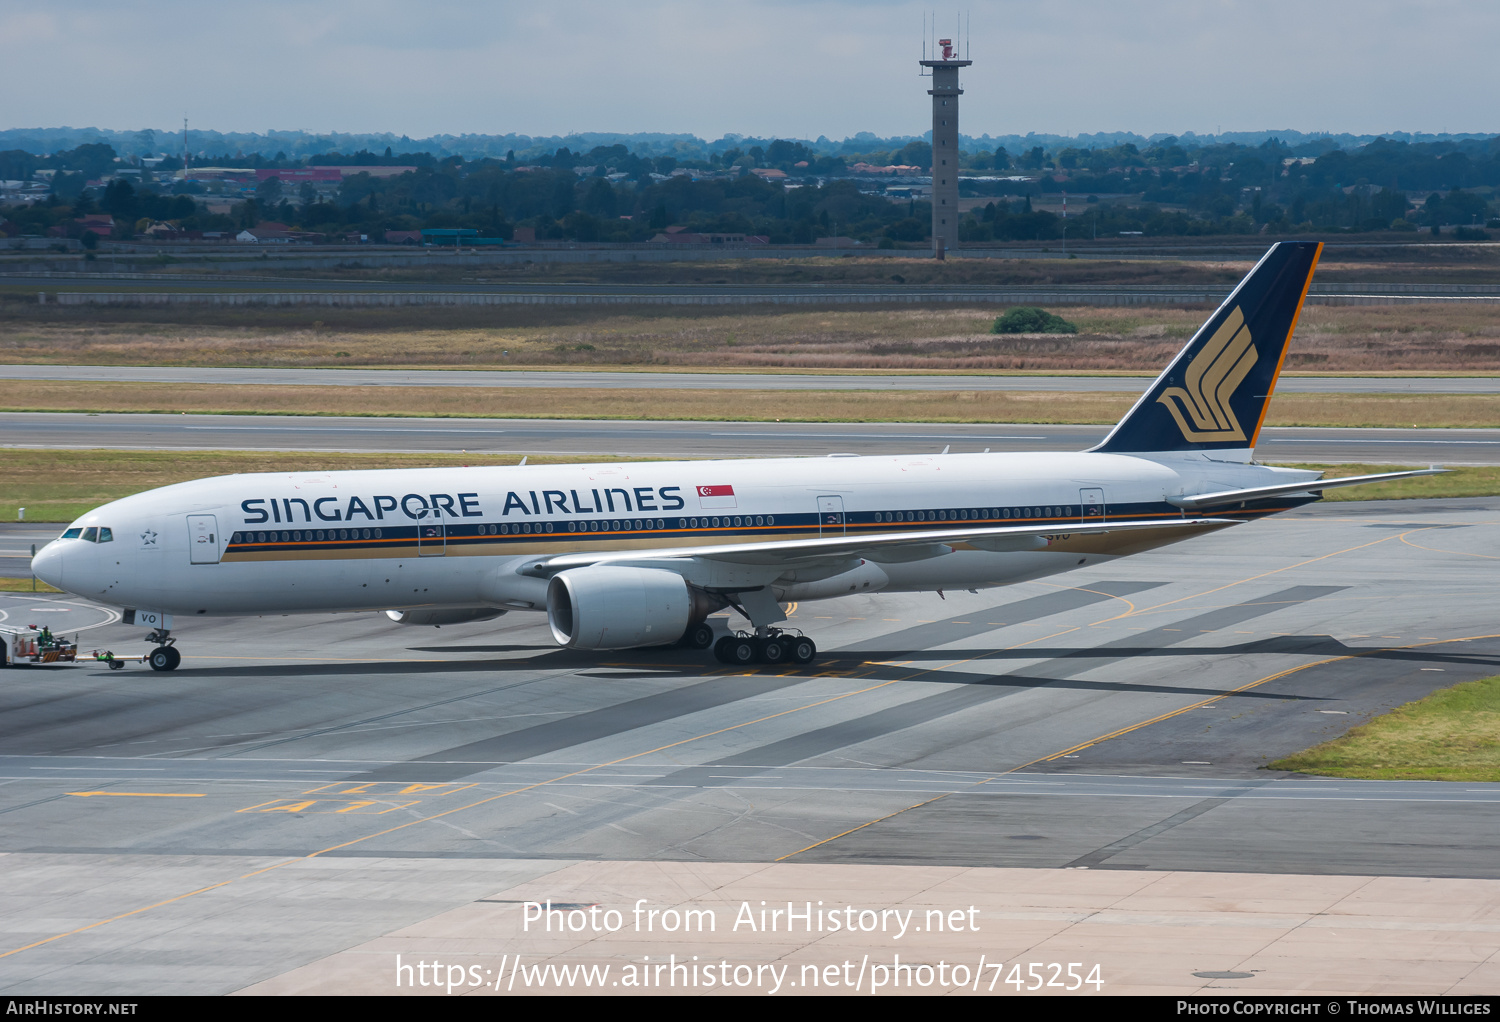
(1452, 735)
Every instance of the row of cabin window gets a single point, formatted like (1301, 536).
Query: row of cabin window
(622, 525)
(974, 514)
(619, 525)
(297, 536)
(93, 534)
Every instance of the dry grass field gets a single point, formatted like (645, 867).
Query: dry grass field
(1419, 339)
(1353, 410)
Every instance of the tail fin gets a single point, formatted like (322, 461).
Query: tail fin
(1215, 393)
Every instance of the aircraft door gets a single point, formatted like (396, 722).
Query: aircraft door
(203, 539)
(1091, 499)
(432, 539)
(830, 516)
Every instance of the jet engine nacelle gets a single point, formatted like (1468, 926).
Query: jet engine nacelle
(443, 615)
(607, 607)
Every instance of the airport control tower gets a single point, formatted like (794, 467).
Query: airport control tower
(945, 93)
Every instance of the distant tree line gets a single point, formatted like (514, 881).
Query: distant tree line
(1167, 188)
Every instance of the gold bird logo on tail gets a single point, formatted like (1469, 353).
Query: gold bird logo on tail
(1201, 406)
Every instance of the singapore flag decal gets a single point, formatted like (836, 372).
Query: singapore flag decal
(713, 498)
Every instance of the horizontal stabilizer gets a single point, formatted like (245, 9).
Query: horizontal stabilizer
(1202, 500)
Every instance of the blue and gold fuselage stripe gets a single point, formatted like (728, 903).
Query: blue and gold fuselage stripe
(488, 538)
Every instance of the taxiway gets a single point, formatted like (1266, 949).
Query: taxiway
(1117, 718)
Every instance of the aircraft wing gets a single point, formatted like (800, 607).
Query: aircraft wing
(883, 546)
(1222, 497)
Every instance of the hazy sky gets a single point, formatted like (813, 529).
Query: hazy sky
(798, 68)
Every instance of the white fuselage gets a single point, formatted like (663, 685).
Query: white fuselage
(462, 537)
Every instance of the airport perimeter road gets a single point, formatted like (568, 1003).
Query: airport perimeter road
(709, 381)
(685, 439)
(1117, 718)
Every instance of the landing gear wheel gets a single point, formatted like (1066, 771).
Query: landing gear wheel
(803, 650)
(773, 650)
(164, 658)
(698, 636)
(721, 649)
(740, 652)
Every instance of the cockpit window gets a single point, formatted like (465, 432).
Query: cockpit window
(106, 535)
(91, 535)
(72, 534)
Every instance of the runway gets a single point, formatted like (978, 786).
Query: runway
(211, 376)
(732, 290)
(16, 541)
(637, 439)
(1116, 718)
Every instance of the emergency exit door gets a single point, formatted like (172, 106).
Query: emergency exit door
(1091, 500)
(203, 539)
(432, 539)
(830, 516)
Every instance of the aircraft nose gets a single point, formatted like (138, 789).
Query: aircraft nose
(47, 565)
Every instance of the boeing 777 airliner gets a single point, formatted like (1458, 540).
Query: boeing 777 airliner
(632, 555)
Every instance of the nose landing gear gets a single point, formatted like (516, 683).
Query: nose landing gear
(165, 656)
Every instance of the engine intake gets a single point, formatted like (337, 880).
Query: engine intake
(608, 607)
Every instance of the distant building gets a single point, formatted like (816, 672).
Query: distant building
(454, 236)
(524, 235)
(403, 237)
(296, 175)
(372, 171)
(262, 236)
(682, 236)
(101, 224)
(895, 169)
(272, 233)
(769, 174)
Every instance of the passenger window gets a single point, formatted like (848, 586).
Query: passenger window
(72, 534)
(90, 535)
(106, 536)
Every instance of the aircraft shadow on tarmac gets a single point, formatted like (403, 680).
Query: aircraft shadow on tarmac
(1297, 645)
(667, 663)
(900, 665)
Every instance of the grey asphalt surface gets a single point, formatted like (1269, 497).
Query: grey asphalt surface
(685, 439)
(708, 381)
(16, 541)
(1115, 718)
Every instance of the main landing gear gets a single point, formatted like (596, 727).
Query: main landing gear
(165, 656)
(773, 647)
